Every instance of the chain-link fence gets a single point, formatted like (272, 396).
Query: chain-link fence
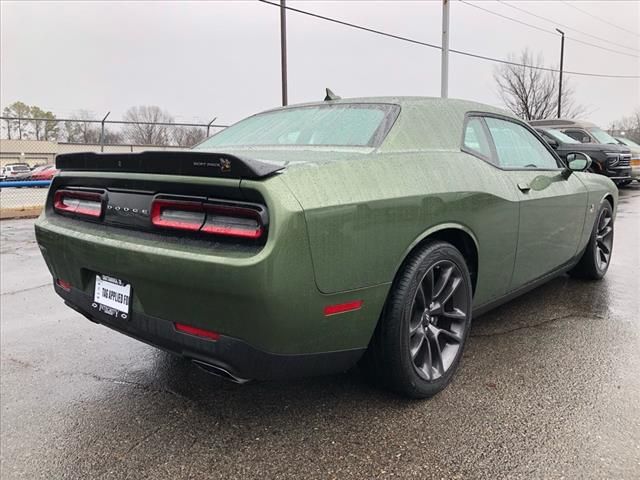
(28, 147)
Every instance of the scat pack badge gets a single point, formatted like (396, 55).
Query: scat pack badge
(225, 165)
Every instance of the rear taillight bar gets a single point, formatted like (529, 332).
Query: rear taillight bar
(239, 220)
(79, 202)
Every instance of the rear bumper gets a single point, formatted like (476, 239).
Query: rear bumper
(269, 300)
(230, 354)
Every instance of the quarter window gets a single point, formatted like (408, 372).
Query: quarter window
(578, 135)
(475, 138)
(517, 147)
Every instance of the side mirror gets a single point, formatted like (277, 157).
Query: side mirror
(585, 139)
(552, 143)
(576, 162)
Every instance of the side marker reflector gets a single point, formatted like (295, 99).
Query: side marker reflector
(342, 307)
(63, 284)
(198, 332)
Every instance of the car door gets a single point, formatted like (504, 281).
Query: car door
(552, 207)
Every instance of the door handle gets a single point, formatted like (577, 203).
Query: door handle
(524, 188)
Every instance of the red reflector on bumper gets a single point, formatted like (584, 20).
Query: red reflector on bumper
(198, 332)
(342, 307)
(66, 286)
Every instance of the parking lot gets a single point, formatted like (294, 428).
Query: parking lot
(549, 387)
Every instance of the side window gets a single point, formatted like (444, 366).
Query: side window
(578, 135)
(517, 147)
(475, 138)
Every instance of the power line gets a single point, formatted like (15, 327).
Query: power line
(438, 47)
(602, 19)
(544, 29)
(508, 18)
(575, 30)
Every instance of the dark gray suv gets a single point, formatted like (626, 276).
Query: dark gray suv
(609, 157)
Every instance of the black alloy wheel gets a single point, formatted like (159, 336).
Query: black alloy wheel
(418, 342)
(595, 260)
(604, 239)
(438, 320)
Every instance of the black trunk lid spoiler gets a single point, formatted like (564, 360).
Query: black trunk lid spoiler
(167, 162)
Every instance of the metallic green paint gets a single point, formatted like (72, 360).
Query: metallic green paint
(342, 221)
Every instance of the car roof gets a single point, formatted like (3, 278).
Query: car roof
(561, 123)
(403, 101)
(423, 122)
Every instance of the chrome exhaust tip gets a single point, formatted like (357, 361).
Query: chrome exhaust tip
(219, 371)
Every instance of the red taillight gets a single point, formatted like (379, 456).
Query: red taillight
(216, 219)
(63, 284)
(198, 332)
(342, 307)
(232, 221)
(176, 214)
(77, 202)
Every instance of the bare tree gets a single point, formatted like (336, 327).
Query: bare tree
(145, 130)
(630, 125)
(188, 136)
(532, 94)
(80, 130)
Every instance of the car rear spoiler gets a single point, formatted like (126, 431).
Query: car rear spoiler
(177, 162)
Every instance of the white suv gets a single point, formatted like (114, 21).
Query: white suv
(15, 171)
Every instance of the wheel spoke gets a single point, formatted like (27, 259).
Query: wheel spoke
(603, 246)
(445, 275)
(449, 334)
(450, 290)
(456, 314)
(437, 354)
(417, 341)
(416, 321)
(604, 256)
(427, 365)
(427, 287)
(604, 233)
(421, 298)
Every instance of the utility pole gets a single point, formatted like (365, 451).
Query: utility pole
(561, 66)
(283, 50)
(444, 69)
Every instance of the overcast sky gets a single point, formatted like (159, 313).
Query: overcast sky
(199, 60)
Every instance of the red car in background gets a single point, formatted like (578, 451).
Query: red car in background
(45, 172)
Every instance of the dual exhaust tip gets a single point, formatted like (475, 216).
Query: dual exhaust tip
(219, 371)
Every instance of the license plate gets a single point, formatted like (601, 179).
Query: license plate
(112, 296)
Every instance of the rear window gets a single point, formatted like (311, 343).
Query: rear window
(20, 168)
(357, 125)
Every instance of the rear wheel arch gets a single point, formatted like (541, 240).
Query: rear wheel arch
(457, 235)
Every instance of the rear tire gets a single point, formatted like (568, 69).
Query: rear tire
(420, 336)
(595, 260)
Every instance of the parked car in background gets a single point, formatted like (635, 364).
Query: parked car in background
(601, 154)
(635, 155)
(16, 171)
(307, 238)
(44, 172)
(616, 166)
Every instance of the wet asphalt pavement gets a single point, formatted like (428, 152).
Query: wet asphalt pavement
(549, 387)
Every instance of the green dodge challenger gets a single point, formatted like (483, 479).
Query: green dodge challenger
(306, 239)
